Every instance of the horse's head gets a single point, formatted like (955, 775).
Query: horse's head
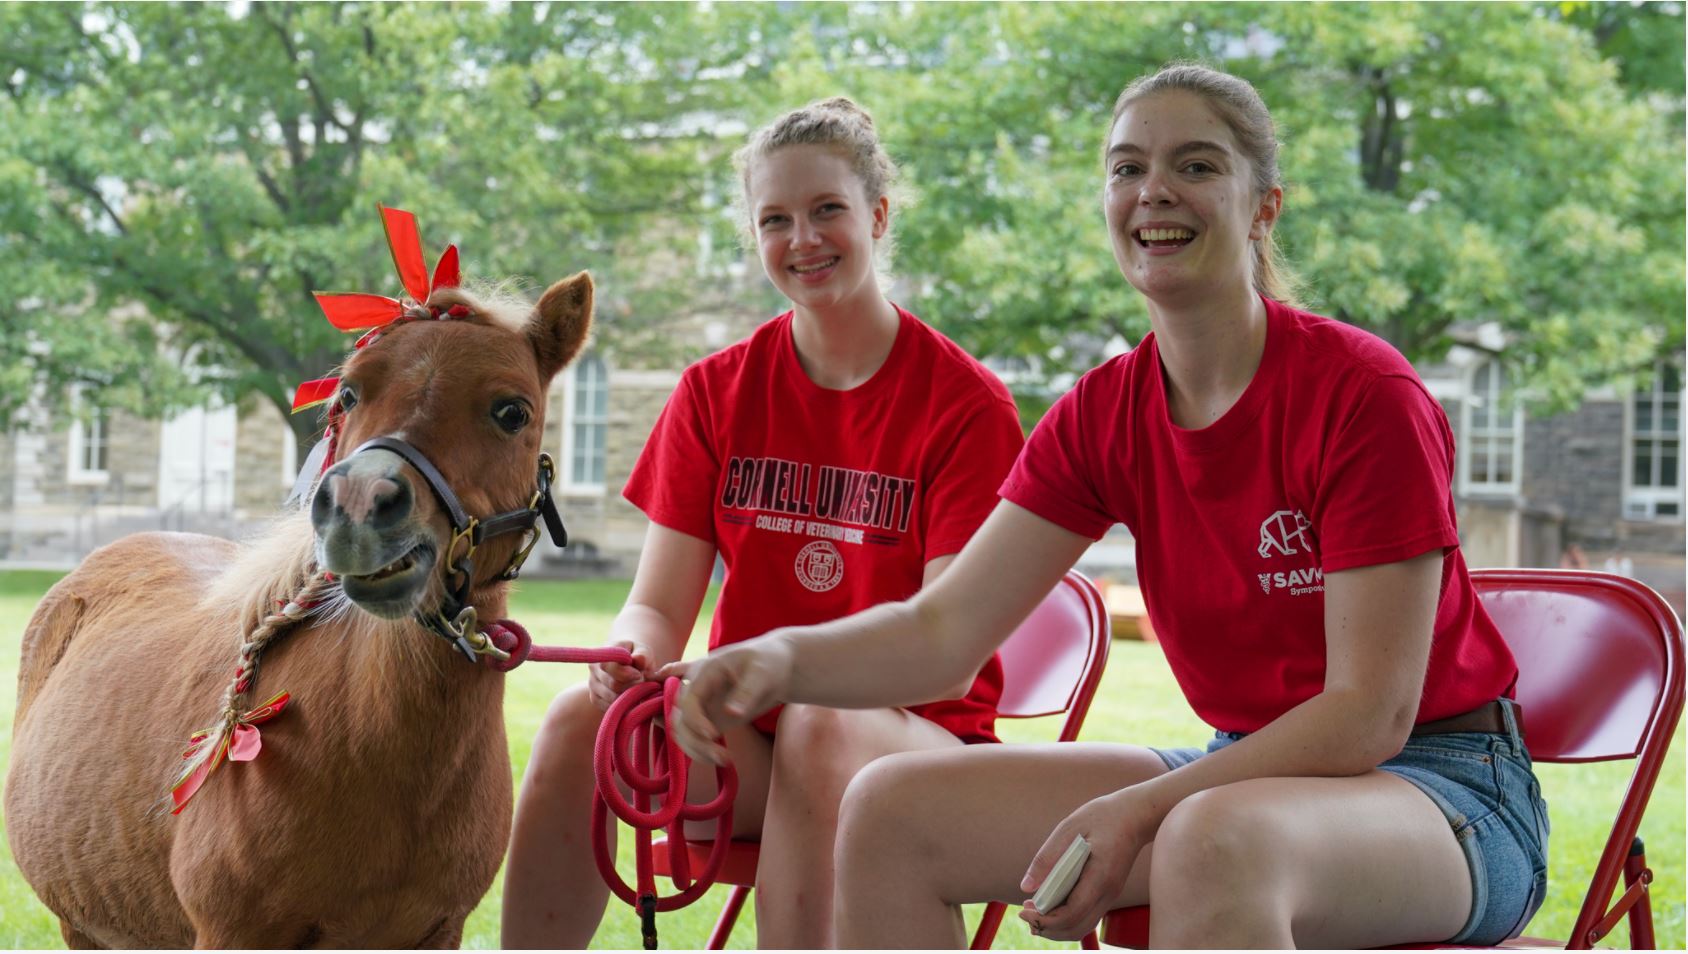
(467, 393)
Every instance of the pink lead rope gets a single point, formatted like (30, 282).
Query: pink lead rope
(633, 746)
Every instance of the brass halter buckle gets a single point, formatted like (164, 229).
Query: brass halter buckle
(547, 474)
(465, 536)
(466, 633)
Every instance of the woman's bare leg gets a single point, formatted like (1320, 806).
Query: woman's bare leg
(1353, 862)
(553, 894)
(924, 833)
(817, 751)
(1274, 862)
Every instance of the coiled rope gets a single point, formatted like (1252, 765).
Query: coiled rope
(632, 745)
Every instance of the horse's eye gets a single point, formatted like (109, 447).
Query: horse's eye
(512, 415)
(347, 398)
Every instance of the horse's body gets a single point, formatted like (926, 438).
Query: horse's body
(379, 808)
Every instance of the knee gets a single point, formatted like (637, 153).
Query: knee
(814, 752)
(880, 810)
(562, 749)
(1214, 867)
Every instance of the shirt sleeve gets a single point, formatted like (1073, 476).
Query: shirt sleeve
(1054, 479)
(675, 479)
(1385, 493)
(963, 492)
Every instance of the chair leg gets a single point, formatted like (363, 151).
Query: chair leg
(729, 917)
(988, 924)
(1641, 915)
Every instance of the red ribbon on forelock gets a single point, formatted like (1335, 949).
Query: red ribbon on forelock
(370, 314)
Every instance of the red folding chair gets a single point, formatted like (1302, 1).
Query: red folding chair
(1600, 678)
(1051, 664)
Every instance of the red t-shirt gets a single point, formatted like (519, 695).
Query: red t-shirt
(823, 503)
(1334, 457)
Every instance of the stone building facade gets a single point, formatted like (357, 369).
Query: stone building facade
(1533, 490)
(1599, 486)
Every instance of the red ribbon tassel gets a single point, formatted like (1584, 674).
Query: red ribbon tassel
(446, 273)
(238, 743)
(351, 311)
(406, 245)
(312, 393)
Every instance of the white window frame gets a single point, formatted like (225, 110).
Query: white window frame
(1470, 434)
(81, 433)
(1642, 503)
(571, 378)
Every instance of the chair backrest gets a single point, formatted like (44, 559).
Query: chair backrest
(1600, 677)
(1053, 661)
(1599, 660)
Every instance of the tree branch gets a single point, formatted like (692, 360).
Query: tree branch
(271, 187)
(324, 110)
(77, 182)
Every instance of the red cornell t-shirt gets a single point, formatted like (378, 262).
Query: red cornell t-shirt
(1334, 457)
(823, 503)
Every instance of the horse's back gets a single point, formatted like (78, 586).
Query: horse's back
(141, 573)
(100, 684)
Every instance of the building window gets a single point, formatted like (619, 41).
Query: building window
(89, 441)
(1493, 425)
(1654, 462)
(586, 421)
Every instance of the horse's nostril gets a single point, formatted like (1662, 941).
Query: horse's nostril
(392, 503)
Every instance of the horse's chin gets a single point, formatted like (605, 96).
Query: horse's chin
(394, 590)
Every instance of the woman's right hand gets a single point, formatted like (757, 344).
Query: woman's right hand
(727, 688)
(606, 681)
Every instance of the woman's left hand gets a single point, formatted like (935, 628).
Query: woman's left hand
(1118, 826)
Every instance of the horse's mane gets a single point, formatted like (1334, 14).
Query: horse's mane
(501, 304)
(270, 568)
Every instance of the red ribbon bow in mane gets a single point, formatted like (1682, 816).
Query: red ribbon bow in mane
(351, 311)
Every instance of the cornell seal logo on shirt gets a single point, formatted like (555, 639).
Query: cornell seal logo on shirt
(820, 566)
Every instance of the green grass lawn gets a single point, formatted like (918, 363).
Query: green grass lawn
(1137, 702)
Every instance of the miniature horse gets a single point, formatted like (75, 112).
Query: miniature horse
(379, 811)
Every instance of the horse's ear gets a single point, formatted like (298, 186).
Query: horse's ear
(559, 325)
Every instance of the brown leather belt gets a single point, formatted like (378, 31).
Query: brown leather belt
(1485, 718)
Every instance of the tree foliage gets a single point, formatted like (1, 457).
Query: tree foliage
(188, 174)
(176, 179)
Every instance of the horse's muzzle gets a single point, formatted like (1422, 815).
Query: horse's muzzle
(370, 533)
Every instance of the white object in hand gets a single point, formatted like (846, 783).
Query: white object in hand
(1062, 877)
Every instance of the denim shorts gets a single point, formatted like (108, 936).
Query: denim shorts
(1485, 787)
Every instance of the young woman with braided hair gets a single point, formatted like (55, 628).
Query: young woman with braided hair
(1287, 481)
(837, 458)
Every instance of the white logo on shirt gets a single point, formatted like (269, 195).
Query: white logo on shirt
(1282, 532)
(1287, 533)
(820, 566)
(1298, 582)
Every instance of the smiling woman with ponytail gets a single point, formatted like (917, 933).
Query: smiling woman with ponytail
(764, 456)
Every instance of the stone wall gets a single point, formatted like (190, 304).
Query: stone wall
(260, 446)
(636, 399)
(1574, 462)
(605, 531)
